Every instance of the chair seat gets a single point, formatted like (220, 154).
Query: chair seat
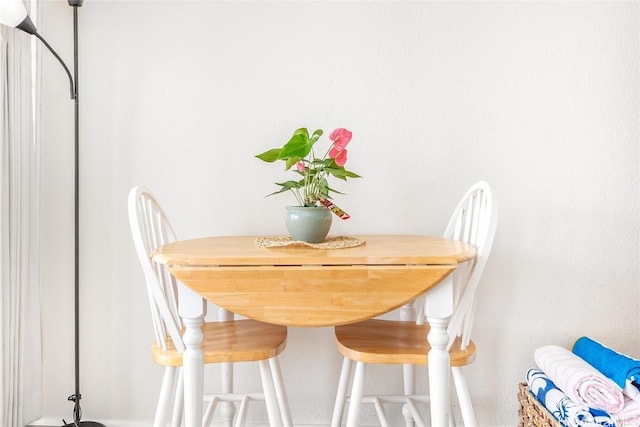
(232, 341)
(393, 342)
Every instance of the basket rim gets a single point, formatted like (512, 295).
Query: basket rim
(532, 413)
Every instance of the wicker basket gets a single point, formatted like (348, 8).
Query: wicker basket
(532, 413)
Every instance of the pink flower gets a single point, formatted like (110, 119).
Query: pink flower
(340, 138)
(338, 152)
(340, 156)
(300, 167)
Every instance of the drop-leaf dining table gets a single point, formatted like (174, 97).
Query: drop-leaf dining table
(304, 286)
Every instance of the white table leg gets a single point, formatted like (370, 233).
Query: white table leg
(193, 371)
(439, 307)
(192, 309)
(439, 387)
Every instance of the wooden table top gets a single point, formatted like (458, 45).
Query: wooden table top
(301, 286)
(378, 250)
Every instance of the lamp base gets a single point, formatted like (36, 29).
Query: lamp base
(85, 424)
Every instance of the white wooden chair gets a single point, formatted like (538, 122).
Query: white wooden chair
(225, 342)
(404, 342)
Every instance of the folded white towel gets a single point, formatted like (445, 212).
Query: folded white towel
(579, 380)
(630, 414)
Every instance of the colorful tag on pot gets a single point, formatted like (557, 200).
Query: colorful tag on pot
(333, 208)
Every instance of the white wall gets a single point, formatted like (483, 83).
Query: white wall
(539, 99)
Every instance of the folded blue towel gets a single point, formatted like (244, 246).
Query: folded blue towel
(565, 410)
(621, 369)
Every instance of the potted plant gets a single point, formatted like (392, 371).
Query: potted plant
(310, 220)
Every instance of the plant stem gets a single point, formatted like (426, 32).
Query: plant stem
(297, 196)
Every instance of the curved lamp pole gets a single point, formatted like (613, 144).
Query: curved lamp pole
(13, 14)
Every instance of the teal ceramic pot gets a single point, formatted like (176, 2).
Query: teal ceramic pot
(308, 224)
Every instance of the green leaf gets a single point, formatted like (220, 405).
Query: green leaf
(316, 135)
(336, 191)
(270, 155)
(282, 190)
(337, 172)
(342, 173)
(289, 184)
(286, 186)
(350, 174)
(324, 187)
(302, 131)
(298, 146)
(290, 162)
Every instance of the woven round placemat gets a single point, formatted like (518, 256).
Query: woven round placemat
(338, 242)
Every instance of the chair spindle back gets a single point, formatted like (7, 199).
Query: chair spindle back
(474, 222)
(151, 229)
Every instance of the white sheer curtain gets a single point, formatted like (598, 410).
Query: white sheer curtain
(20, 358)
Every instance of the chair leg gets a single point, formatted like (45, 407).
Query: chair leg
(408, 376)
(164, 400)
(178, 404)
(269, 393)
(281, 395)
(353, 417)
(466, 408)
(341, 395)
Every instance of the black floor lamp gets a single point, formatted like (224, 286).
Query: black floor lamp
(13, 14)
